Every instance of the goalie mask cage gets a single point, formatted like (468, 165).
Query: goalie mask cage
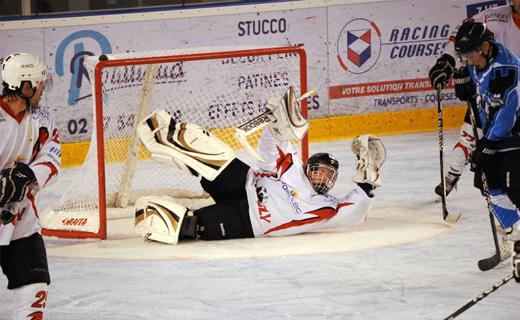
(217, 89)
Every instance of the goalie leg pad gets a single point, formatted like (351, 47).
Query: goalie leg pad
(371, 154)
(172, 142)
(159, 218)
(290, 123)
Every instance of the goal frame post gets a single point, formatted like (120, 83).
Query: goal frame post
(98, 96)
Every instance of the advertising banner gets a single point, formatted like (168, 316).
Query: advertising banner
(380, 53)
(362, 58)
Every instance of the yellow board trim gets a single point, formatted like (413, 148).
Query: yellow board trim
(334, 128)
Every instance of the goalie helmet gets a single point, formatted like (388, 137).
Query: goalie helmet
(470, 36)
(20, 67)
(322, 171)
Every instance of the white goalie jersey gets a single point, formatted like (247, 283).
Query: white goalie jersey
(283, 202)
(31, 138)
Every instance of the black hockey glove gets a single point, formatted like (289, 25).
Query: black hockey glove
(464, 86)
(441, 72)
(14, 182)
(6, 215)
(482, 156)
(516, 261)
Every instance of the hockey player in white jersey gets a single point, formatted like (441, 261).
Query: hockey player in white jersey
(29, 161)
(283, 197)
(504, 23)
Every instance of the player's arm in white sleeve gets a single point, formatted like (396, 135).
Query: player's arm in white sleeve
(47, 163)
(352, 209)
(269, 149)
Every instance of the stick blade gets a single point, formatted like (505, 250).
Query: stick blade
(451, 217)
(489, 263)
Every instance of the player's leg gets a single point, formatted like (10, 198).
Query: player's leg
(502, 205)
(511, 183)
(161, 219)
(459, 156)
(229, 184)
(224, 221)
(511, 175)
(24, 262)
(184, 144)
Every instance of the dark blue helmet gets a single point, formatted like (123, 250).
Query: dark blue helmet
(470, 36)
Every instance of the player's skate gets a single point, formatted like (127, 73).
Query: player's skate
(506, 247)
(451, 180)
(159, 218)
(172, 142)
(371, 155)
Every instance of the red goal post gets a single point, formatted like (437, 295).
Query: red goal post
(218, 89)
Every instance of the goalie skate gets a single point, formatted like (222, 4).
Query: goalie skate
(371, 155)
(171, 142)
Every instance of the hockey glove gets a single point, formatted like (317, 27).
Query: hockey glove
(441, 72)
(483, 155)
(6, 216)
(14, 182)
(464, 86)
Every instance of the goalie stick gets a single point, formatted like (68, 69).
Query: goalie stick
(260, 122)
(449, 217)
(491, 262)
(479, 297)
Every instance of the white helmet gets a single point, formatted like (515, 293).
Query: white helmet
(18, 67)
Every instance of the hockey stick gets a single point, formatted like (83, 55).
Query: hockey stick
(446, 215)
(491, 262)
(479, 297)
(260, 122)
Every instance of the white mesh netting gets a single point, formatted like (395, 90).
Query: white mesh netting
(219, 93)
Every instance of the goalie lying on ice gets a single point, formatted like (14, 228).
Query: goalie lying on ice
(284, 197)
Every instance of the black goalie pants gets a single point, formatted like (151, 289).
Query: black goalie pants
(229, 217)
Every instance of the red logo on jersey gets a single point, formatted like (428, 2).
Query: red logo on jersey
(284, 162)
(263, 212)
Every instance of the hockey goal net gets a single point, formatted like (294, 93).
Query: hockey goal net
(217, 89)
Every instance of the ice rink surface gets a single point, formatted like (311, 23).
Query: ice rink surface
(404, 263)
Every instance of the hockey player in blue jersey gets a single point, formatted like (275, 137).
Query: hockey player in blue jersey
(495, 80)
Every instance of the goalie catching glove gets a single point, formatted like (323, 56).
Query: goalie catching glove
(371, 154)
(290, 123)
(184, 145)
(14, 182)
